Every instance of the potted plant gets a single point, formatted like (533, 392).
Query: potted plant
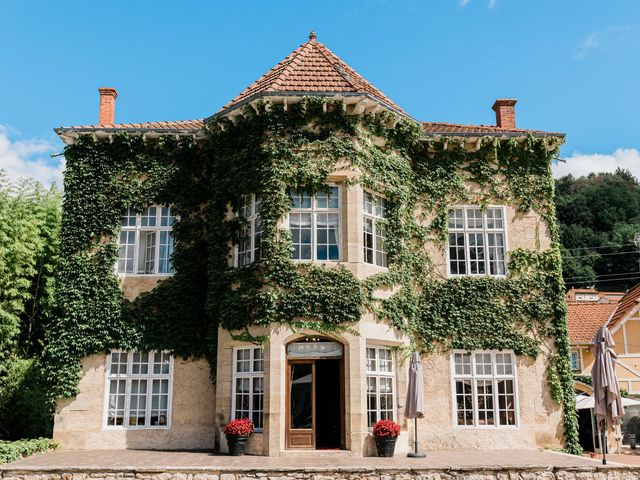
(238, 433)
(385, 433)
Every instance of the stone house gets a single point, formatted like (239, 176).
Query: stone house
(303, 389)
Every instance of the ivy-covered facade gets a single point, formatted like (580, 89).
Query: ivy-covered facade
(281, 258)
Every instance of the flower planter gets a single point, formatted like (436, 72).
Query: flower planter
(385, 446)
(237, 444)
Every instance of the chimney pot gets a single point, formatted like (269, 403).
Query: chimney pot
(108, 97)
(505, 112)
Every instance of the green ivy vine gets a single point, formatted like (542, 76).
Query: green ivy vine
(266, 151)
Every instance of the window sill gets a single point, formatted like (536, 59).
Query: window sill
(163, 275)
(129, 428)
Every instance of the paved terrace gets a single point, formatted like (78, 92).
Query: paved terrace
(141, 461)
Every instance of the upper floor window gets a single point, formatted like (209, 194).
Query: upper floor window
(484, 388)
(145, 244)
(139, 389)
(248, 385)
(375, 233)
(477, 241)
(381, 379)
(314, 222)
(575, 360)
(247, 250)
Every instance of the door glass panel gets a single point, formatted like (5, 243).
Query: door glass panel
(301, 392)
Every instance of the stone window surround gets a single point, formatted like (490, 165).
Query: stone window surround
(473, 377)
(314, 210)
(138, 229)
(251, 374)
(378, 374)
(484, 231)
(128, 377)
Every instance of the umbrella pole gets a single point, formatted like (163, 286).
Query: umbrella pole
(604, 442)
(415, 453)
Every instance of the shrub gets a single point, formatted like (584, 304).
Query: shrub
(386, 428)
(12, 451)
(25, 409)
(242, 427)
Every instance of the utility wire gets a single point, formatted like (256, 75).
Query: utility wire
(603, 280)
(601, 247)
(600, 276)
(601, 254)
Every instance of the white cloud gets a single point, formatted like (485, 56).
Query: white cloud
(29, 159)
(491, 4)
(604, 39)
(580, 164)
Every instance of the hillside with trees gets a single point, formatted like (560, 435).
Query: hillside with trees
(599, 215)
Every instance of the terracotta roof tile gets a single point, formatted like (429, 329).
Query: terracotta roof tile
(441, 128)
(626, 304)
(175, 125)
(312, 67)
(585, 318)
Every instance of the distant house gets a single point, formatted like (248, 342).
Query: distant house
(622, 316)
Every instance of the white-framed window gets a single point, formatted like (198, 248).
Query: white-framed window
(247, 396)
(381, 379)
(375, 229)
(145, 244)
(247, 250)
(138, 390)
(314, 223)
(587, 297)
(485, 389)
(477, 241)
(575, 360)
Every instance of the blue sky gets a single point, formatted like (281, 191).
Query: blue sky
(574, 66)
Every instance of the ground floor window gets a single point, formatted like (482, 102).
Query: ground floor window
(248, 385)
(139, 389)
(485, 388)
(381, 379)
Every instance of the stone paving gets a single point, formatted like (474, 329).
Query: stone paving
(146, 460)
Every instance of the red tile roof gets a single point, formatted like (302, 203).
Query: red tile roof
(441, 128)
(311, 69)
(626, 304)
(177, 125)
(585, 318)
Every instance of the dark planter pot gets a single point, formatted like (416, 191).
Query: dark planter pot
(386, 446)
(237, 444)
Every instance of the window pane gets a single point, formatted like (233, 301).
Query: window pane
(148, 217)
(457, 265)
(464, 402)
(474, 218)
(300, 226)
(456, 218)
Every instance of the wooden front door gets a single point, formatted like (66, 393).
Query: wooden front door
(301, 404)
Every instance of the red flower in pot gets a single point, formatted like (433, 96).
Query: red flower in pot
(238, 433)
(385, 433)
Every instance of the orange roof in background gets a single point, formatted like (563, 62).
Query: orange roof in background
(625, 305)
(311, 68)
(584, 319)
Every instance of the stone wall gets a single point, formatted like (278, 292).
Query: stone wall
(80, 423)
(558, 473)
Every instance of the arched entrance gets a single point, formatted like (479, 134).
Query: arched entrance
(315, 394)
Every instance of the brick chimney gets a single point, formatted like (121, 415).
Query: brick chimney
(505, 113)
(108, 97)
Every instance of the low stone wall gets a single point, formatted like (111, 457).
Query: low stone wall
(563, 473)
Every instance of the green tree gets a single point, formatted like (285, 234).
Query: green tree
(599, 215)
(29, 228)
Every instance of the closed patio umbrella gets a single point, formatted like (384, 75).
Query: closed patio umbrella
(414, 406)
(606, 393)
